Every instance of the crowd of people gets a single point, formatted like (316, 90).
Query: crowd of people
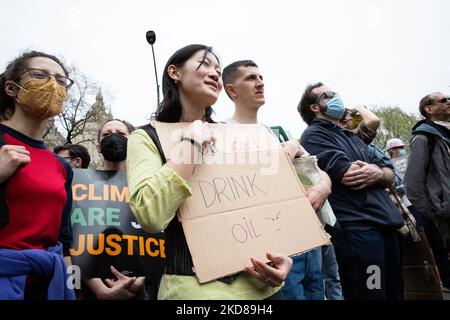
(356, 178)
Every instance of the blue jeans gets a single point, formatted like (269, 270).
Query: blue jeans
(330, 270)
(368, 257)
(305, 281)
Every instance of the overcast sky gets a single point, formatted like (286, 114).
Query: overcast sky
(371, 52)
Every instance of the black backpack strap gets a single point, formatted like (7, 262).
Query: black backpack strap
(178, 257)
(4, 211)
(151, 131)
(431, 143)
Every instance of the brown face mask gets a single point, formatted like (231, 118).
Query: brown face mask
(43, 99)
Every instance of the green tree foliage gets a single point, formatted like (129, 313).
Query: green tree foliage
(395, 123)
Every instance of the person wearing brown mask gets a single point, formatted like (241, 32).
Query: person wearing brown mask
(35, 197)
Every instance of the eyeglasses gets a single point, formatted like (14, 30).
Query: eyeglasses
(326, 94)
(44, 75)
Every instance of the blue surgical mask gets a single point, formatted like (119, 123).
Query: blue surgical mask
(402, 152)
(335, 108)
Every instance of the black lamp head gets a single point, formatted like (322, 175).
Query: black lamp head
(151, 37)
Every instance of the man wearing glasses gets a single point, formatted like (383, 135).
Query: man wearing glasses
(367, 247)
(427, 176)
(75, 154)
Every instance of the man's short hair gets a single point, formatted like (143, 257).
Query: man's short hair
(229, 73)
(308, 99)
(76, 150)
(426, 101)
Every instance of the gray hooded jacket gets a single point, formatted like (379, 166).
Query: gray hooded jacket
(427, 179)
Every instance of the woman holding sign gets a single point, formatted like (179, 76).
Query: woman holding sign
(35, 197)
(191, 84)
(113, 138)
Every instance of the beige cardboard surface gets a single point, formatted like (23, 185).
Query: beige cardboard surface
(230, 138)
(224, 187)
(221, 244)
(238, 211)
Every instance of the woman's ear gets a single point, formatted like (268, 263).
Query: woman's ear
(11, 88)
(173, 72)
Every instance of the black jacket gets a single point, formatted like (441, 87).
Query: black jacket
(336, 149)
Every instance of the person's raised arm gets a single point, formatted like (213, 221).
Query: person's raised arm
(370, 119)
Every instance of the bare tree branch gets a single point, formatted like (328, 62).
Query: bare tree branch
(80, 107)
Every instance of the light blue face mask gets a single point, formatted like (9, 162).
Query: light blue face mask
(402, 152)
(335, 108)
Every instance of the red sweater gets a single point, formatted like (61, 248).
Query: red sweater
(38, 197)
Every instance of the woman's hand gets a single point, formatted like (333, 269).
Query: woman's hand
(121, 288)
(275, 275)
(137, 286)
(11, 158)
(196, 136)
(199, 132)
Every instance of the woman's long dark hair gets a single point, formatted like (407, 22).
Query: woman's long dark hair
(170, 109)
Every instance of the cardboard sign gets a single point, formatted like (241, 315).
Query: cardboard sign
(246, 201)
(105, 231)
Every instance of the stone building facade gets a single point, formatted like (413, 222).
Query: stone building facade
(88, 138)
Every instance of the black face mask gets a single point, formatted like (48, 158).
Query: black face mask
(114, 147)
